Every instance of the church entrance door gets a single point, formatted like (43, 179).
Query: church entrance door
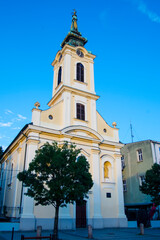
(81, 215)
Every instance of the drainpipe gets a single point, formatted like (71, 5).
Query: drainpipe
(20, 211)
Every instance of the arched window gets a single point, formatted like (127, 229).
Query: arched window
(80, 72)
(80, 111)
(107, 168)
(59, 75)
(11, 175)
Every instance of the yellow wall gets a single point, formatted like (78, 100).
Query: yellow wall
(109, 209)
(101, 124)
(56, 111)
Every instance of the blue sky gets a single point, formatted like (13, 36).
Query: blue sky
(123, 34)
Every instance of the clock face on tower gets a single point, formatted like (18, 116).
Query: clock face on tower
(79, 53)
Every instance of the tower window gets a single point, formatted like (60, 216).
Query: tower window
(80, 111)
(80, 72)
(59, 75)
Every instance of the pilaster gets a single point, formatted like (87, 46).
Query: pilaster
(67, 69)
(119, 187)
(27, 221)
(36, 115)
(97, 221)
(92, 77)
(67, 109)
(4, 187)
(93, 115)
(19, 151)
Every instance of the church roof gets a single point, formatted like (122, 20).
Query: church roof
(74, 37)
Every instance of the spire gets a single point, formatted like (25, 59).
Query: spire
(74, 27)
(74, 37)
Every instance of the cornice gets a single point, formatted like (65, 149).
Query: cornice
(116, 144)
(53, 132)
(72, 90)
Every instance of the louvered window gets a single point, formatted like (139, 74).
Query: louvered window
(59, 75)
(80, 72)
(80, 111)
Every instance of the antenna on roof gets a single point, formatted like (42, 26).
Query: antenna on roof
(132, 136)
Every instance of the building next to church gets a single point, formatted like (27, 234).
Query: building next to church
(137, 158)
(71, 117)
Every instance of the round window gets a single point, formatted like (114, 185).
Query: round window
(50, 117)
(104, 130)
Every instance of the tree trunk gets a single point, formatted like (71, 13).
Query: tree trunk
(55, 232)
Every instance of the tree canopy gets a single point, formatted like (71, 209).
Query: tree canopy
(1, 151)
(151, 184)
(57, 176)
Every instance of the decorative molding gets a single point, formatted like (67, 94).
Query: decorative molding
(33, 141)
(19, 149)
(83, 128)
(116, 155)
(95, 151)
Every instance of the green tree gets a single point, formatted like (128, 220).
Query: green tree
(1, 151)
(57, 176)
(151, 184)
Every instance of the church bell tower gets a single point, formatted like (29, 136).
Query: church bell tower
(73, 83)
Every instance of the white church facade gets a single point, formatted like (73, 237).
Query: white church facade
(72, 117)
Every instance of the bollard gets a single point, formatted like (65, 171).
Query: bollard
(22, 237)
(141, 229)
(39, 231)
(90, 235)
(12, 233)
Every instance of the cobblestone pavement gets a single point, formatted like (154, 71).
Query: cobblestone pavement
(102, 234)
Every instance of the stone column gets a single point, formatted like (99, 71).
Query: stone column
(27, 221)
(119, 192)
(67, 69)
(92, 77)
(67, 109)
(5, 182)
(93, 114)
(14, 212)
(97, 217)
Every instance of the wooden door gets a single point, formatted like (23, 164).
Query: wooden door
(81, 215)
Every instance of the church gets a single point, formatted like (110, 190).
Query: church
(71, 116)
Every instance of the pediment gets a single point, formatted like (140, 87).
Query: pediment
(82, 131)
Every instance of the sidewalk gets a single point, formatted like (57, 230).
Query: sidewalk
(101, 234)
